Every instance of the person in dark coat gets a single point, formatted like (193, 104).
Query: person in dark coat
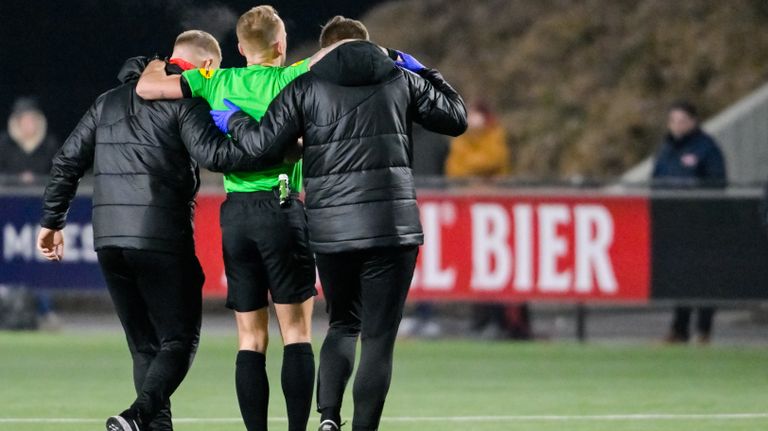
(145, 158)
(688, 158)
(26, 148)
(355, 110)
(430, 150)
(764, 209)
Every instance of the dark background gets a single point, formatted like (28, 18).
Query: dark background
(708, 249)
(66, 53)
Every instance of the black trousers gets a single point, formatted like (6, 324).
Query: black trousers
(158, 298)
(513, 319)
(365, 292)
(681, 323)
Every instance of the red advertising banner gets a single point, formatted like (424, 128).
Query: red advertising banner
(208, 244)
(508, 248)
(534, 248)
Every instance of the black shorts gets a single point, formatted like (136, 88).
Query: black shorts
(266, 251)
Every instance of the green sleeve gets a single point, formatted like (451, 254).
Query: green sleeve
(293, 71)
(200, 81)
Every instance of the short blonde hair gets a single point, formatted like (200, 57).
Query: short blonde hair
(204, 42)
(258, 28)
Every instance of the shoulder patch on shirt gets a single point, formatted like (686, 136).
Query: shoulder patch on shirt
(207, 73)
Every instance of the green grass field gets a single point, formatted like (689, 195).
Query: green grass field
(514, 387)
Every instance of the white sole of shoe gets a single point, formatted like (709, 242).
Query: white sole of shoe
(122, 424)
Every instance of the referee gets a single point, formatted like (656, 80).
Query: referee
(264, 235)
(143, 200)
(355, 110)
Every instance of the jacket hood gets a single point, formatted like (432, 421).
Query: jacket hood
(132, 68)
(355, 64)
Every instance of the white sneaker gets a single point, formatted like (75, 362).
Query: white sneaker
(121, 423)
(409, 326)
(431, 330)
(328, 425)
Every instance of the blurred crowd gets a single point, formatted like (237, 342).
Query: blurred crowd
(687, 158)
(26, 146)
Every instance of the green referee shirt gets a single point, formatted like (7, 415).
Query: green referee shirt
(251, 88)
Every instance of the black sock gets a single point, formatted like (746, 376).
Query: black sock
(252, 389)
(298, 379)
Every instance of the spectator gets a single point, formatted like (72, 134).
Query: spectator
(764, 209)
(26, 152)
(688, 158)
(512, 321)
(430, 151)
(26, 148)
(482, 152)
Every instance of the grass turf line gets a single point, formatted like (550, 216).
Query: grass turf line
(87, 375)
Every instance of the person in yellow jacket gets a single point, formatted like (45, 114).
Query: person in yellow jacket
(482, 151)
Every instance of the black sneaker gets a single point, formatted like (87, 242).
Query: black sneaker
(123, 422)
(328, 425)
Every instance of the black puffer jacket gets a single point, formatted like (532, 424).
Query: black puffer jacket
(355, 111)
(145, 181)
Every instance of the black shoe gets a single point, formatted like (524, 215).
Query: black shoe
(674, 338)
(328, 425)
(125, 421)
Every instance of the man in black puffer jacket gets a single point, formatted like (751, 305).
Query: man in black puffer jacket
(143, 201)
(355, 110)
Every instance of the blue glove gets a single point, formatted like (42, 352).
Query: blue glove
(221, 117)
(408, 62)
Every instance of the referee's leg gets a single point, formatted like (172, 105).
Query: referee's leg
(386, 276)
(297, 374)
(247, 295)
(251, 383)
(290, 268)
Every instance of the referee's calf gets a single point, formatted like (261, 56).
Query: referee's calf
(143, 199)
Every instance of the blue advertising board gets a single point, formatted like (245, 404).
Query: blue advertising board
(21, 263)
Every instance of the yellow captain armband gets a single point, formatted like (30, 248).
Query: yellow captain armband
(207, 73)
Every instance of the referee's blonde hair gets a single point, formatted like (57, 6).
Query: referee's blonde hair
(258, 29)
